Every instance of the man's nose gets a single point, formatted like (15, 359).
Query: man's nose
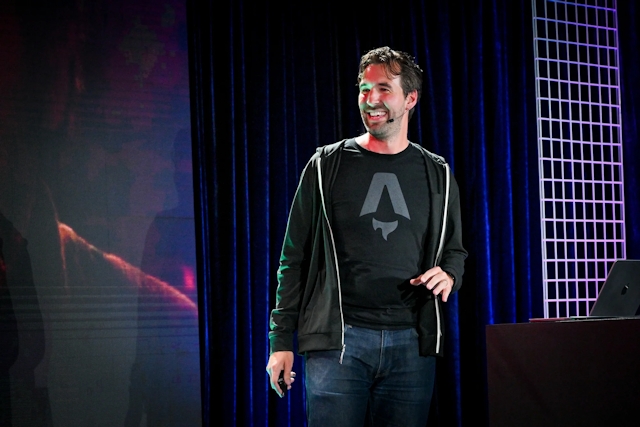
(373, 97)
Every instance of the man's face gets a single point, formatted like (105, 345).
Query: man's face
(381, 99)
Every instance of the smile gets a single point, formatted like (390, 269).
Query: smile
(376, 114)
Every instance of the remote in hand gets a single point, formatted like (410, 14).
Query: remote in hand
(282, 384)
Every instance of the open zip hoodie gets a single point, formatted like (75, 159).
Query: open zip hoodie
(309, 294)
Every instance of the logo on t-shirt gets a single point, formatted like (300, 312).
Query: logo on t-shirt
(379, 182)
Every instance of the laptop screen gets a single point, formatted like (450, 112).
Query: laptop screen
(620, 294)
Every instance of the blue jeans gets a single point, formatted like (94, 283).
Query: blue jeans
(382, 380)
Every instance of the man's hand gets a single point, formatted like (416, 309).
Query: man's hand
(279, 361)
(436, 280)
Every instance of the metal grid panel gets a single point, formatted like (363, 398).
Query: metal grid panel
(579, 150)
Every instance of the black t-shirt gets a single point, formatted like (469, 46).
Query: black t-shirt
(380, 211)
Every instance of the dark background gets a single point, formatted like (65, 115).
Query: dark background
(98, 294)
(108, 265)
(274, 80)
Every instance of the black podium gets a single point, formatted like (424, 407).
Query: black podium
(582, 373)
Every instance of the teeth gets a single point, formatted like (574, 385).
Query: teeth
(376, 113)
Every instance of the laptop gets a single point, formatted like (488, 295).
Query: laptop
(620, 294)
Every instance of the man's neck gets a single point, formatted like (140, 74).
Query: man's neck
(393, 145)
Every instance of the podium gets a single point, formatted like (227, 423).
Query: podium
(581, 372)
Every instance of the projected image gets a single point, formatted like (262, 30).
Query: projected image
(98, 288)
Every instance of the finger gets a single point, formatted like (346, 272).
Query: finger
(269, 372)
(434, 288)
(439, 286)
(415, 282)
(278, 389)
(445, 294)
(273, 378)
(421, 279)
(447, 289)
(433, 284)
(288, 368)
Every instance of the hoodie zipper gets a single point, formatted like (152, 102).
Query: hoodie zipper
(335, 256)
(439, 252)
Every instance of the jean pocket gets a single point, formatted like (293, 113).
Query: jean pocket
(414, 332)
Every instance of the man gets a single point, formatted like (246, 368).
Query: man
(373, 246)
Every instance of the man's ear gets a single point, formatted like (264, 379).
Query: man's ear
(412, 99)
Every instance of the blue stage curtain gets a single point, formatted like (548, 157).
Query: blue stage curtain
(271, 81)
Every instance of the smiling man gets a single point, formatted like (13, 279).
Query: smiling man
(373, 247)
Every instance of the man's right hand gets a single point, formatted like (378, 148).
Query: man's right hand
(278, 361)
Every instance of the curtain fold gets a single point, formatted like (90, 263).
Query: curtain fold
(272, 81)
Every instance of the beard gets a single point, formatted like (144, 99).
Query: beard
(382, 130)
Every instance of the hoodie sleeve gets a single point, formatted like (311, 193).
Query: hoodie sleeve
(294, 261)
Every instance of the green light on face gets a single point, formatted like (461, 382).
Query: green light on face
(365, 87)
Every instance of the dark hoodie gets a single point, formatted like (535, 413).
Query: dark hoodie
(308, 298)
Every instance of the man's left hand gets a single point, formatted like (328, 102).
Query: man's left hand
(436, 280)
